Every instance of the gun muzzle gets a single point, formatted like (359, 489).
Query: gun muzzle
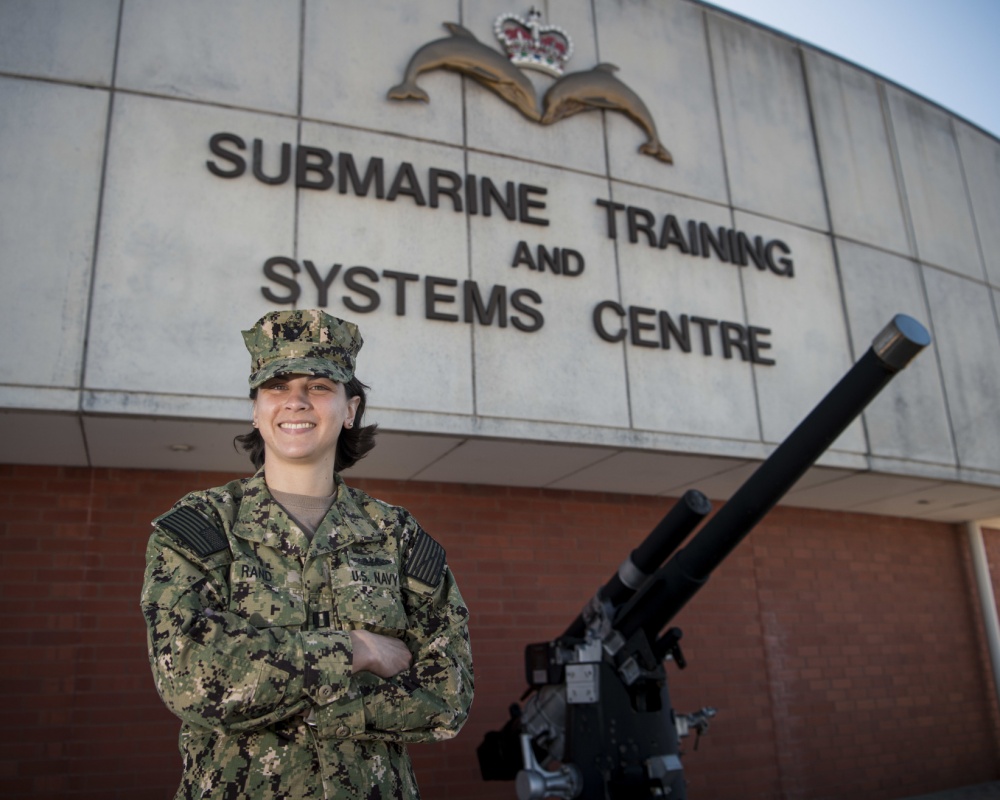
(674, 584)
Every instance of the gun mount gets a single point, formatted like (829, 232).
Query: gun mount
(597, 722)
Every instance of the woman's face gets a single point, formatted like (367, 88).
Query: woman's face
(300, 418)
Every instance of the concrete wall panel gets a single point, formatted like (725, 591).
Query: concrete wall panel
(234, 52)
(577, 378)
(936, 192)
(858, 171)
(766, 130)
(51, 174)
(968, 344)
(698, 392)
(662, 52)
(805, 315)
(60, 39)
(981, 166)
(877, 286)
(750, 117)
(346, 75)
(181, 251)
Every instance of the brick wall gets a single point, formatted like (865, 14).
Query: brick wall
(844, 652)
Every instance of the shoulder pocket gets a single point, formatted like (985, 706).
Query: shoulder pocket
(194, 530)
(426, 560)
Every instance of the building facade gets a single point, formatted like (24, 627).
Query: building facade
(584, 289)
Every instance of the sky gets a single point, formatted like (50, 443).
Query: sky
(945, 50)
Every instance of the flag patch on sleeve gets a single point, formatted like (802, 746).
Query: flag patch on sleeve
(195, 530)
(426, 560)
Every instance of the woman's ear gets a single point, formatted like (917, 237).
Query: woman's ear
(352, 406)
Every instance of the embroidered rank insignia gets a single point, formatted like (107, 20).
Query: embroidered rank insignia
(426, 560)
(195, 530)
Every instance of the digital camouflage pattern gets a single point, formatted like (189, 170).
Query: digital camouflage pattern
(307, 342)
(247, 629)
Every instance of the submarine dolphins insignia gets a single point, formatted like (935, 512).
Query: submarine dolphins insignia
(463, 52)
(599, 88)
(534, 46)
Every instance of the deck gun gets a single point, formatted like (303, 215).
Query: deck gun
(596, 721)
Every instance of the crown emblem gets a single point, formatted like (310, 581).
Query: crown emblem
(533, 45)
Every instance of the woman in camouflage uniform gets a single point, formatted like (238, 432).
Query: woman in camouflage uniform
(303, 631)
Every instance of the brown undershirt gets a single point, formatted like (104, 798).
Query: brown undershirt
(307, 512)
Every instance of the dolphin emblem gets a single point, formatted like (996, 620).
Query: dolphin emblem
(462, 52)
(599, 88)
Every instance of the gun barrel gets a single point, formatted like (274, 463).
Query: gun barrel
(642, 562)
(677, 581)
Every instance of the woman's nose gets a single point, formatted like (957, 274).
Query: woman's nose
(298, 397)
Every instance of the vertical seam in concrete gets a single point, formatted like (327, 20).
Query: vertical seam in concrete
(732, 209)
(968, 198)
(904, 203)
(462, 84)
(990, 294)
(97, 235)
(897, 168)
(975, 224)
(814, 130)
(298, 128)
(614, 243)
(611, 197)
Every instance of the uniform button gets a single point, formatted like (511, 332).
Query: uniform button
(342, 731)
(325, 691)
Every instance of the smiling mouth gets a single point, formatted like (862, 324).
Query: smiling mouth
(295, 426)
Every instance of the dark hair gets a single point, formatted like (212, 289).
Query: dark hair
(353, 444)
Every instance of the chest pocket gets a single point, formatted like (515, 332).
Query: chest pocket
(265, 604)
(369, 608)
(366, 594)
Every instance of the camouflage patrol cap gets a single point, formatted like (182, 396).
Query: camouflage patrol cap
(302, 343)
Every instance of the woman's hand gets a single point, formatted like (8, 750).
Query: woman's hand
(378, 654)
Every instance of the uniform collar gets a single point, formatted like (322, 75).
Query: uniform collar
(345, 523)
(263, 520)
